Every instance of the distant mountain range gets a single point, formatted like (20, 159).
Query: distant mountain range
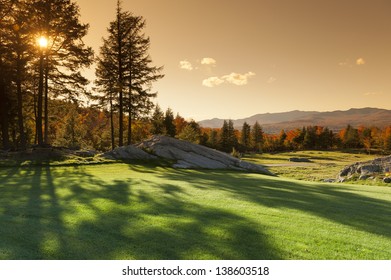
(335, 120)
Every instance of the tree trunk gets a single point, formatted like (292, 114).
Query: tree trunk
(4, 117)
(130, 108)
(112, 123)
(20, 103)
(121, 119)
(38, 121)
(120, 78)
(130, 123)
(46, 124)
(35, 116)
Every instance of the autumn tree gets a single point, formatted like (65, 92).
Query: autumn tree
(387, 138)
(180, 123)
(72, 131)
(191, 132)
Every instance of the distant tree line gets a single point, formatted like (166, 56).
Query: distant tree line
(254, 139)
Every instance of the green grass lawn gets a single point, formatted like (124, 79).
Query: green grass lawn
(323, 165)
(140, 211)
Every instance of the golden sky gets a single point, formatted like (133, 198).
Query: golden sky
(234, 59)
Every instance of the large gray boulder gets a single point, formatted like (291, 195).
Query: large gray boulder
(367, 169)
(189, 155)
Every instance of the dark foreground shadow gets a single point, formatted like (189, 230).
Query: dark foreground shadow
(67, 213)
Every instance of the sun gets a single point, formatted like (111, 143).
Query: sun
(43, 42)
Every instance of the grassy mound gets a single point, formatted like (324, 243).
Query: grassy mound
(130, 211)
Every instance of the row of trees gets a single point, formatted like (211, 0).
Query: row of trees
(253, 139)
(42, 56)
(87, 127)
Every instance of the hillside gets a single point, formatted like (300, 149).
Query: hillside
(335, 120)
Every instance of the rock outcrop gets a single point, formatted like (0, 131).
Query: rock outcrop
(367, 169)
(188, 155)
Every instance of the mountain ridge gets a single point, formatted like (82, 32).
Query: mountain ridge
(335, 120)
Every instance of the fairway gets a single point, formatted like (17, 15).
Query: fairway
(143, 211)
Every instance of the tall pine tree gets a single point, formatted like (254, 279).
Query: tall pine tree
(124, 72)
(61, 61)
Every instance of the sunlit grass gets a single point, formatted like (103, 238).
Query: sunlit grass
(141, 211)
(323, 164)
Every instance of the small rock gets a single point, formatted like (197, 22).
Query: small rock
(330, 180)
(387, 180)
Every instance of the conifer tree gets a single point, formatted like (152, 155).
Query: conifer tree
(169, 123)
(245, 138)
(213, 139)
(228, 139)
(62, 59)
(157, 121)
(257, 137)
(124, 72)
(5, 71)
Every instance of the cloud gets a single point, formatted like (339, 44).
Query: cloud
(344, 64)
(208, 61)
(186, 65)
(373, 93)
(233, 78)
(212, 82)
(238, 79)
(271, 80)
(360, 61)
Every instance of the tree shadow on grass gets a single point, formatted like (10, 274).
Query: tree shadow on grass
(336, 203)
(70, 213)
(67, 213)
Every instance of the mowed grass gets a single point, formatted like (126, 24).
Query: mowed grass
(323, 165)
(141, 211)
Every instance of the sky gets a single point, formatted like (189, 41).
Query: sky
(233, 59)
